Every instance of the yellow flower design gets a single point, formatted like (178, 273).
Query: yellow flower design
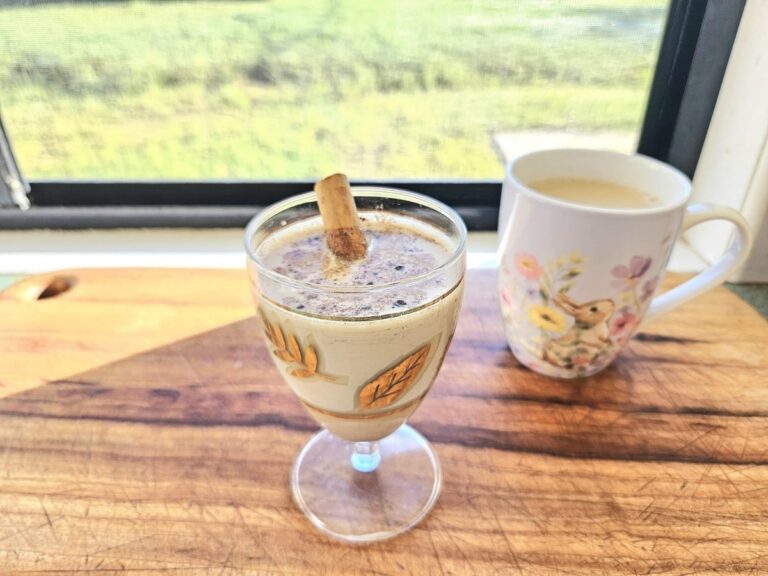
(576, 257)
(546, 318)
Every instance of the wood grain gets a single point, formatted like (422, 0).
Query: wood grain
(144, 431)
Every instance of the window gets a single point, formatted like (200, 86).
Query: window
(274, 94)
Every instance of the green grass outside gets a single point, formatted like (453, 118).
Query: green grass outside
(294, 89)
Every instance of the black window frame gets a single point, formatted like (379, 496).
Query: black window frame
(696, 42)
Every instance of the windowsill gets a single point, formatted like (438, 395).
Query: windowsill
(36, 251)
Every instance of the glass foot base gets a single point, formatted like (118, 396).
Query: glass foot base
(377, 503)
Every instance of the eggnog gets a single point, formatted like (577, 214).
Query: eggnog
(360, 342)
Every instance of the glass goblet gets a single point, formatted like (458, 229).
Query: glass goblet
(361, 358)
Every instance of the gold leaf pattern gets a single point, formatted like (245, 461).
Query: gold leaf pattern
(310, 359)
(391, 384)
(290, 352)
(284, 355)
(279, 339)
(301, 373)
(293, 348)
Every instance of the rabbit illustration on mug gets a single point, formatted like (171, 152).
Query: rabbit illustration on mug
(586, 339)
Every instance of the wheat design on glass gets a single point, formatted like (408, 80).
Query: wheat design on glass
(361, 350)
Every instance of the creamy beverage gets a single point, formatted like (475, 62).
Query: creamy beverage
(359, 351)
(594, 192)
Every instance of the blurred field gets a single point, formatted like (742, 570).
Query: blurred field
(292, 89)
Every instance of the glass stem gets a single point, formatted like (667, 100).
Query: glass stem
(366, 456)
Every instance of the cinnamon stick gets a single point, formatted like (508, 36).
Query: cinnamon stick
(340, 220)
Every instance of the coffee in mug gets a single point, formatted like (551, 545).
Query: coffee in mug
(594, 192)
(586, 238)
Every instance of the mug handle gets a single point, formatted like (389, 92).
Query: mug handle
(716, 274)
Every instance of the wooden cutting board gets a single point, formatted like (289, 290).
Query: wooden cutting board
(143, 429)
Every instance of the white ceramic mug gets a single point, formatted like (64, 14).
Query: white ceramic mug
(575, 280)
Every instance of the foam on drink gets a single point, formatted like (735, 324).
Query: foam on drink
(399, 248)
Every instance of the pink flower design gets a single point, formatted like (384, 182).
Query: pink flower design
(627, 275)
(623, 323)
(527, 265)
(649, 287)
(620, 340)
(506, 297)
(581, 360)
(638, 266)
